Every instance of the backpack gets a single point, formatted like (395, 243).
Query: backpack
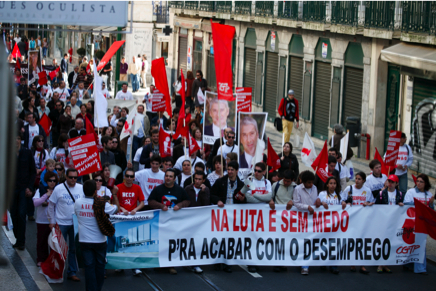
(350, 195)
(103, 221)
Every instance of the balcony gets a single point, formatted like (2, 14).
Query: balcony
(161, 13)
(208, 6)
(191, 5)
(314, 11)
(288, 10)
(345, 13)
(419, 17)
(380, 14)
(264, 9)
(224, 6)
(243, 7)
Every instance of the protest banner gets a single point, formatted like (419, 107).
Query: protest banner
(393, 148)
(158, 103)
(256, 235)
(243, 95)
(84, 153)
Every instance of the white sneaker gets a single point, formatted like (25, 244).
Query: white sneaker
(136, 272)
(304, 271)
(197, 270)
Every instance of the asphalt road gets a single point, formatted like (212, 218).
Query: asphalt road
(239, 279)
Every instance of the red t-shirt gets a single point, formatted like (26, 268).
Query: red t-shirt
(129, 196)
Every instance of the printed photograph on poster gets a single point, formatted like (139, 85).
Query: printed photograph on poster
(250, 138)
(218, 115)
(34, 66)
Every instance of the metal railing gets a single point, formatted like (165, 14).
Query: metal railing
(265, 8)
(224, 6)
(208, 6)
(288, 10)
(345, 12)
(380, 14)
(243, 7)
(314, 11)
(193, 5)
(161, 11)
(419, 16)
(176, 4)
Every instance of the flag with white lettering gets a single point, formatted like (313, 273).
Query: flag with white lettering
(84, 153)
(53, 267)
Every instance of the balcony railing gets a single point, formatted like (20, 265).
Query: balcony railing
(288, 10)
(380, 14)
(208, 6)
(243, 7)
(265, 8)
(419, 16)
(224, 6)
(193, 5)
(314, 11)
(161, 11)
(177, 4)
(345, 12)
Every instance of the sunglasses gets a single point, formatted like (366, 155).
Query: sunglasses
(129, 176)
(98, 180)
(59, 169)
(258, 171)
(41, 140)
(54, 181)
(115, 141)
(232, 137)
(72, 177)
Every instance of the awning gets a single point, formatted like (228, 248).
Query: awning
(103, 29)
(414, 56)
(189, 23)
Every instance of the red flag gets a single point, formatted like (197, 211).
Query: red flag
(16, 52)
(182, 130)
(45, 122)
(53, 267)
(273, 159)
(182, 94)
(223, 44)
(52, 74)
(18, 66)
(425, 219)
(42, 78)
(193, 145)
(110, 52)
(320, 163)
(90, 129)
(159, 74)
(70, 52)
(378, 157)
(88, 68)
(165, 149)
(414, 179)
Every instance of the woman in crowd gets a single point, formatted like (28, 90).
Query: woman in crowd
(358, 194)
(189, 80)
(288, 160)
(331, 196)
(109, 131)
(40, 155)
(58, 77)
(103, 191)
(219, 170)
(120, 157)
(60, 153)
(65, 122)
(136, 165)
(124, 113)
(83, 114)
(17, 77)
(60, 169)
(9, 44)
(90, 109)
(420, 192)
(273, 177)
(44, 47)
(40, 201)
(177, 86)
(106, 173)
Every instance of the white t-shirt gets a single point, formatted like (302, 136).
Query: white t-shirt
(106, 93)
(261, 187)
(41, 211)
(89, 232)
(375, 183)
(228, 149)
(37, 159)
(333, 199)
(104, 191)
(33, 131)
(342, 172)
(46, 92)
(360, 196)
(124, 96)
(138, 157)
(392, 197)
(404, 159)
(414, 193)
(148, 99)
(114, 121)
(59, 156)
(148, 180)
(64, 204)
(63, 93)
(184, 177)
(81, 93)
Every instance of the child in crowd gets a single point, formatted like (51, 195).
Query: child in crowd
(49, 167)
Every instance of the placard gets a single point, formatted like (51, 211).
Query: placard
(244, 95)
(84, 153)
(393, 148)
(157, 101)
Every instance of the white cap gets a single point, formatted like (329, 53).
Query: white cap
(291, 92)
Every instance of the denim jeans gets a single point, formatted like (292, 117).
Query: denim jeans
(44, 52)
(403, 183)
(94, 257)
(18, 211)
(68, 230)
(135, 84)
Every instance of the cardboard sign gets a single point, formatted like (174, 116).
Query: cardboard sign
(243, 95)
(157, 101)
(84, 153)
(393, 148)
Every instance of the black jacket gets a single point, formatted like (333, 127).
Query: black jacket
(189, 182)
(75, 133)
(26, 170)
(213, 153)
(54, 117)
(219, 190)
(319, 184)
(26, 135)
(203, 198)
(24, 92)
(145, 155)
(289, 162)
(64, 66)
(70, 79)
(383, 198)
(121, 161)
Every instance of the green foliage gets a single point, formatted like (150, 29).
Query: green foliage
(81, 51)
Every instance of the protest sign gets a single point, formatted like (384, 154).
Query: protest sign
(393, 148)
(158, 103)
(256, 235)
(243, 95)
(84, 153)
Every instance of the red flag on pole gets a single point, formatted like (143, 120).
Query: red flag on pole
(52, 74)
(182, 94)
(159, 74)
(320, 163)
(182, 129)
(193, 145)
(378, 157)
(223, 44)
(273, 159)
(70, 52)
(90, 129)
(16, 52)
(109, 54)
(425, 219)
(165, 149)
(18, 66)
(45, 122)
(42, 78)
(88, 68)
(414, 179)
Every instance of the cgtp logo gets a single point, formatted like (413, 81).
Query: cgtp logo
(407, 249)
(409, 227)
(224, 87)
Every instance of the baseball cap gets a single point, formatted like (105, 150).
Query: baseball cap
(394, 178)
(291, 92)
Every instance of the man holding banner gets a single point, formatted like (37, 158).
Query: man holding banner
(404, 161)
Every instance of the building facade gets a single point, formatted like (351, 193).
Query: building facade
(374, 62)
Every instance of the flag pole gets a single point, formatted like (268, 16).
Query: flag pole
(221, 139)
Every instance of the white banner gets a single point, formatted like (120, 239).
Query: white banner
(253, 234)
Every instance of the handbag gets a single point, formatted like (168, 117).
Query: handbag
(278, 124)
(106, 227)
